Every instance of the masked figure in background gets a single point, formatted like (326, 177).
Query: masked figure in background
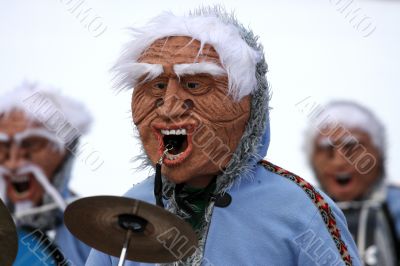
(201, 97)
(39, 133)
(347, 153)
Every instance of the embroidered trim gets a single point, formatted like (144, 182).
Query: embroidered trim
(320, 203)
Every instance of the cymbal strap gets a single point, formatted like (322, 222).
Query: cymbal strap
(158, 186)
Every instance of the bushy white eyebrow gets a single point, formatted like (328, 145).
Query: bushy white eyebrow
(199, 68)
(40, 132)
(134, 71)
(4, 137)
(327, 141)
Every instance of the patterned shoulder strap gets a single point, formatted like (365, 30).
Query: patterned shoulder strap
(319, 202)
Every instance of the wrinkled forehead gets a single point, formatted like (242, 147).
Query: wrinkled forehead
(17, 126)
(17, 121)
(179, 50)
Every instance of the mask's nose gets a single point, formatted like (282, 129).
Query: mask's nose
(174, 104)
(16, 158)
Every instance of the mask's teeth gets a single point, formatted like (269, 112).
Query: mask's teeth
(173, 156)
(20, 179)
(343, 176)
(181, 131)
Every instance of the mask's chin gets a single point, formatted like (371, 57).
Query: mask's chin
(22, 206)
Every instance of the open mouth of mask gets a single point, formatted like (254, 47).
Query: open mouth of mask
(27, 183)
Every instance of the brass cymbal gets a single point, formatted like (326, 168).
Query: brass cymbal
(158, 236)
(8, 237)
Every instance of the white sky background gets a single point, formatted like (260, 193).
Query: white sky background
(312, 51)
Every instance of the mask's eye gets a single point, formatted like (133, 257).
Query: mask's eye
(34, 144)
(197, 84)
(4, 149)
(327, 150)
(160, 85)
(192, 85)
(349, 147)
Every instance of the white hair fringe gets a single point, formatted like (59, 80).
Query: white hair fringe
(74, 112)
(237, 57)
(351, 115)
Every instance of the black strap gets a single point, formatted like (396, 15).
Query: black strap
(158, 186)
